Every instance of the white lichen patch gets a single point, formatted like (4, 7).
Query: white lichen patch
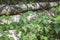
(15, 18)
(5, 21)
(31, 16)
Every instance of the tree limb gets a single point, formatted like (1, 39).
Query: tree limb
(18, 8)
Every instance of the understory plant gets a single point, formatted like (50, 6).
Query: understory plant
(33, 26)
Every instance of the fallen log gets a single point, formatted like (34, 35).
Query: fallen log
(18, 8)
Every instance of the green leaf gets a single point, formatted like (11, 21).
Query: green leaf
(58, 19)
(57, 29)
(11, 38)
(1, 38)
(6, 38)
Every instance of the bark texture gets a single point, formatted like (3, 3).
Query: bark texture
(18, 8)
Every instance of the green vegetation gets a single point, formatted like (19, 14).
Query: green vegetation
(41, 27)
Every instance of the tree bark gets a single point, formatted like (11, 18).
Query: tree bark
(18, 8)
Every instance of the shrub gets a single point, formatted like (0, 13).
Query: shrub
(40, 26)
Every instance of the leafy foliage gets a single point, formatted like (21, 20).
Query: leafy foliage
(40, 27)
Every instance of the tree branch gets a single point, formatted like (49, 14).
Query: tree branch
(18, 8)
